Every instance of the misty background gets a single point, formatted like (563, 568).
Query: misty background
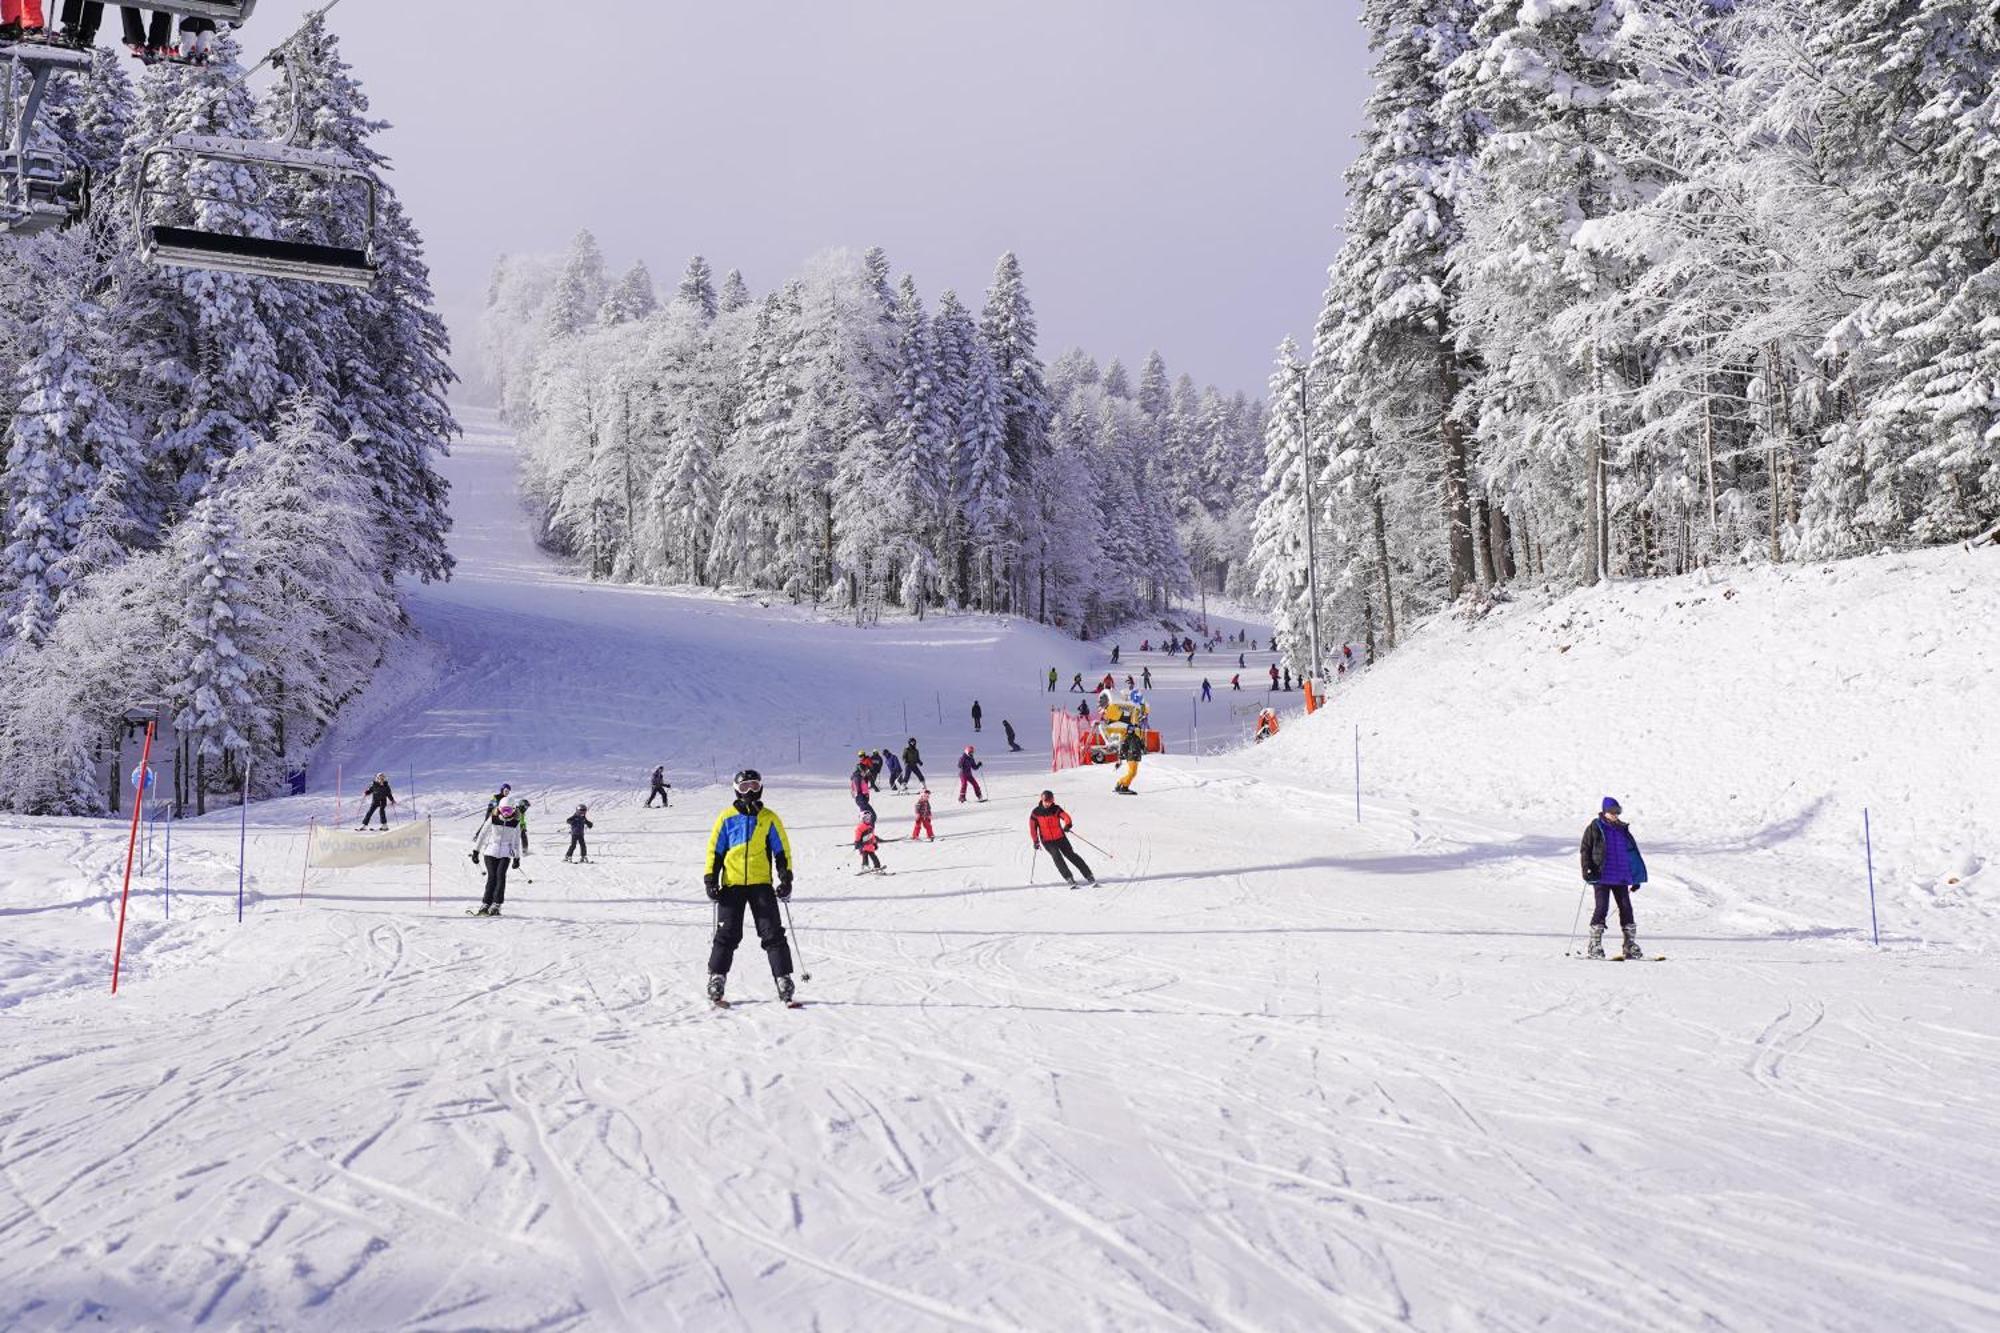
(1168, 172)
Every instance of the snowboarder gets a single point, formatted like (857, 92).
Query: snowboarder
(858, 785)
(923, 824)
(1013, 745)
(1146, 677)
(968, 764)
(661, 788)
(1613, 867)
(578, 822)
(975, 715)
(380, 798)
(1076, 683)
(895, 768)
(1207, 695)
(503, 830)
(747, 852)
(868, 844)
(1114, 654)
(1130, 750)
(913, 761)
(1048, 827)
(1241, 665)
(1083, 710)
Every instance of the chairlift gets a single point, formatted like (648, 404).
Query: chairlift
(38, 188)
(232, 12)
(196, 248)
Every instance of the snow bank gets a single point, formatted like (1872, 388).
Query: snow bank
(1728, 712)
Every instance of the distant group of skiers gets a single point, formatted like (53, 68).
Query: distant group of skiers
(147, 39)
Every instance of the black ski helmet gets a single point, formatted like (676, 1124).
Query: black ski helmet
(750, 783)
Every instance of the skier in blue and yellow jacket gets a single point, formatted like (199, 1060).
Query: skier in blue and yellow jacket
(749, 866)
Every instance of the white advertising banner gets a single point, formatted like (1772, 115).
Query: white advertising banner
(402, 845)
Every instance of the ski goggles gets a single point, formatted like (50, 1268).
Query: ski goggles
(749, 786)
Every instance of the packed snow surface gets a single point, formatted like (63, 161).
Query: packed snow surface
(1283, 1069)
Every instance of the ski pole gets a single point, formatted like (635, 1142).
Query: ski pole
(1093, 846)
(1578, 922)
(1033, 861)
(793, 931)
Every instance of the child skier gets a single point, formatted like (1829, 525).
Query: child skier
(923, 824)
(868, 844)
(913, 761)
(968, 764)
(578, 822)
(503, 830)
(380, 798)
(1613, 867)
(747, 850)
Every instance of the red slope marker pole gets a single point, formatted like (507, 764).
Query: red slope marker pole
(131, 847)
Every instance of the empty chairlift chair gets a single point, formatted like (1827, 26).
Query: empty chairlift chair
(39, 189)
(187, 246)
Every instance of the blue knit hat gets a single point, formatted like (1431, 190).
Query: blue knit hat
(1611, 803)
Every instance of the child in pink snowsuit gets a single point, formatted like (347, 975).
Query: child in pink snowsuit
(867, 843)
(923, 825)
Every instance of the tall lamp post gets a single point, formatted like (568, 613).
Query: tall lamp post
(1312, 512)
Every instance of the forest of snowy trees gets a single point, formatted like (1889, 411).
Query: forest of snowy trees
(1632, 287)
(839, 442)
(212, 482)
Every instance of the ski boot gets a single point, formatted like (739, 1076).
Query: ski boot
(1632, 949)
(785, 989)
(1596, 949)
(715, 985)
(494, 910)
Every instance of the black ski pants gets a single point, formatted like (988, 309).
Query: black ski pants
(139, 33)
(1605, 893)
(376, 807)
(1059, 851)
(916, 772)
(496, 880)
(762, 902)
(577, 844)
(660, 791)
(83, 17)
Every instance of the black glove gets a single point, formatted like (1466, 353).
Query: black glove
(475, 856)
(710, 887)
(517, 863)
(784, 885)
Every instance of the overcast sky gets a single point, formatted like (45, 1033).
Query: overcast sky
(1168, 170)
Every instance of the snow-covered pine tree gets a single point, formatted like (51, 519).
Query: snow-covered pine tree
(697, 289)
(1007, 327)
(631, 297)
(216, 684)
(578, 297)
(735, 292)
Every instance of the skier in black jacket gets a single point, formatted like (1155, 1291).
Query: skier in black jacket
(914, 762)
(1008, 727)
(578, 822)
(660, 788)
(380, 798)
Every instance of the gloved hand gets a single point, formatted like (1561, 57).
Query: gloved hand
(710, 887)
(517, 863)
(475, 856)
(784, 885)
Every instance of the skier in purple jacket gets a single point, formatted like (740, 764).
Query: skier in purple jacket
(1613, 866)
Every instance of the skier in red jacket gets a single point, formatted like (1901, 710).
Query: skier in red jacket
(1048, 826)
(923, 825)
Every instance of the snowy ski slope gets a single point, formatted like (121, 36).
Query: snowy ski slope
(1280, 1071)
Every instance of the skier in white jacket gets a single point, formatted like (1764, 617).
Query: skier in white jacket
(502, 830)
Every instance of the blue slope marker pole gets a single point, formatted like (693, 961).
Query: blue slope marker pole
(243, 836)
(1868, 842)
